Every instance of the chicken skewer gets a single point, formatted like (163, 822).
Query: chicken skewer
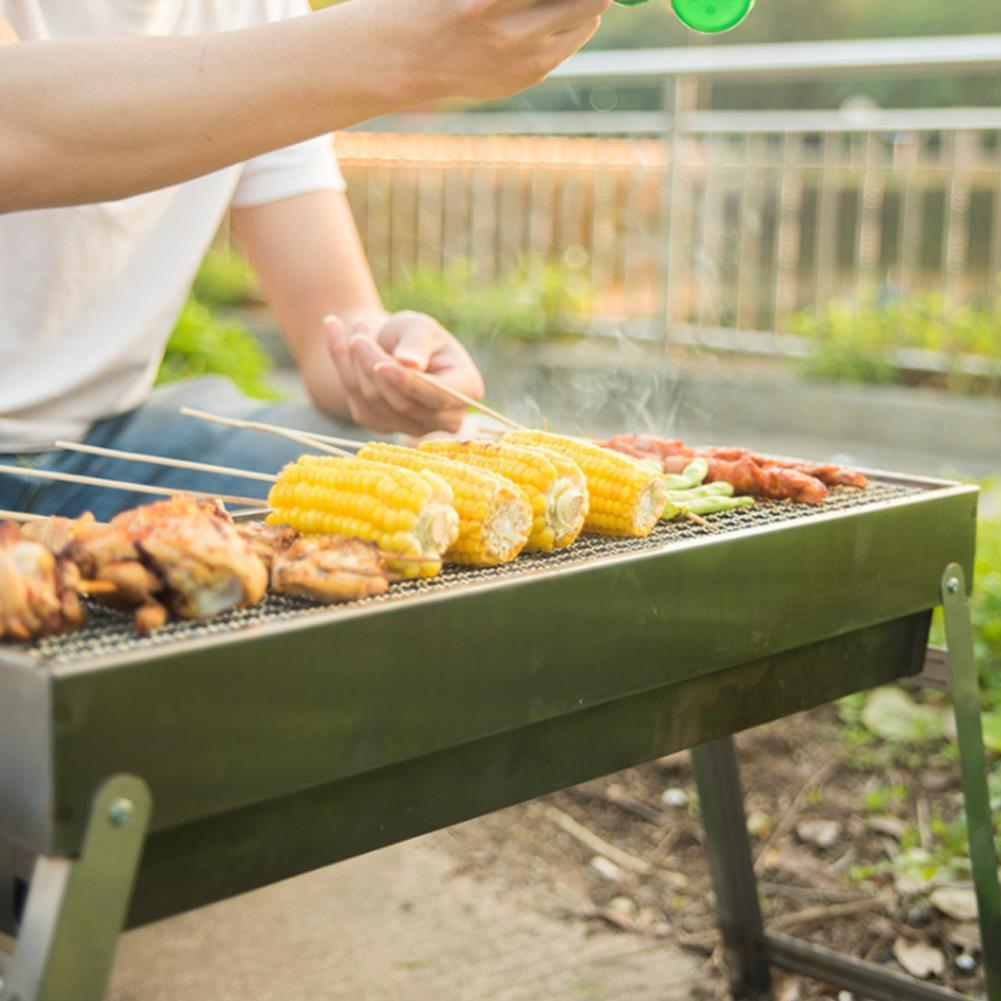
(39, 594)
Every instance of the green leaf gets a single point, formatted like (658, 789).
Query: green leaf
(892, 714)
(992, 730)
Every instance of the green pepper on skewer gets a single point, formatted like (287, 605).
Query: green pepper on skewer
(714, 505)
(692, 475)
(719, 488)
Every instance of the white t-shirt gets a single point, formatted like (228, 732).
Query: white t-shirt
(89, 294)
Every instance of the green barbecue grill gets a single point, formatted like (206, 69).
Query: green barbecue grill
(144, 776)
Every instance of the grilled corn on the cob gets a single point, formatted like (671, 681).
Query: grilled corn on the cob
(494, 517)
(407, 514)
(552, 483)
(626, 495)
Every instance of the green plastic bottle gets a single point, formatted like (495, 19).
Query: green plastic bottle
(710, 16)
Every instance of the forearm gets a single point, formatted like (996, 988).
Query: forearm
(92, 120)
(309, 260)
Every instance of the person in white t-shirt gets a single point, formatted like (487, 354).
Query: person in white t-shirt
(128, 128)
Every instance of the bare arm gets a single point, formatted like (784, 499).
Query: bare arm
(98, 119)
(311, 265)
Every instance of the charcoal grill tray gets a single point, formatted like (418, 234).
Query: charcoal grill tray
(108, 633)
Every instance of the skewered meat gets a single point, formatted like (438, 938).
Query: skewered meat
(196, 551)
(267, 541)
(748, 472)
(330, 568)
(39, 594)
(106, 554)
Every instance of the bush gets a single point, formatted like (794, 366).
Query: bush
(225, 278)
(207, 343)
(535, 299)
(863, 343)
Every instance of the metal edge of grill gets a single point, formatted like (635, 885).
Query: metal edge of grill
(108, 636)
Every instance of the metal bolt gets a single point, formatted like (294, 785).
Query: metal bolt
(120, 812)
(952, 585)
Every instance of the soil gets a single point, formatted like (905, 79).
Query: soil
(795, 771)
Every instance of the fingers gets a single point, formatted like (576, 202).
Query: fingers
(564, 15)
(377, 373)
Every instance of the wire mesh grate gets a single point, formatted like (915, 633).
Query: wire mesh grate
(108, 632)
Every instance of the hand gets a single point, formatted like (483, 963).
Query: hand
(485, 49)
(373, 358)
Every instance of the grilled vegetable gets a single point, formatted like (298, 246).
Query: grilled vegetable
(712, 505)
(553, 484)
(626, 496)
(407, 514)
(692, 475)
(494, 517)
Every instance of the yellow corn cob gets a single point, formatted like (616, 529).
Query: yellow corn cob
(494, 517)
(626, 496)
(553, 484)
(408, 515)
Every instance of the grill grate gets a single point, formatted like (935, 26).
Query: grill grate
(107, 632)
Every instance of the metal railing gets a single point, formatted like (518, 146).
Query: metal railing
(701, 224)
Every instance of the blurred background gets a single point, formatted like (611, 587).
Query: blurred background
(796, 246)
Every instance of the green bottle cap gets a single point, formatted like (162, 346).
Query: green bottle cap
(712, 16)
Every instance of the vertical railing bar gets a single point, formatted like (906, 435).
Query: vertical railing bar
(868, 234)
(790, 223)
(683, 97)
(995, 275)
(956, 236)
(751, 220)
(828, 183)
(707, 255)
(909, 217)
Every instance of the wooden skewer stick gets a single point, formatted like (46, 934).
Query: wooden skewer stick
(21, 516)
(164, 460)
(456, 394)
(303, 437)
(139, 488)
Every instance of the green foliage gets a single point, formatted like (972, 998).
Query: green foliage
(225, 278)
(207, 343)
(535, 299)
(861, 343)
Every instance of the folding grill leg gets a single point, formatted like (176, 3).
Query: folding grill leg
(979, 824)
(729, 849)
(76, 907)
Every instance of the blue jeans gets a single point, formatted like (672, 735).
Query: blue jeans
(157, 428)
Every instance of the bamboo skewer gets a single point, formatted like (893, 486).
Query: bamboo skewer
(139, 488)
(20, 516)
(303, 437)
(165, 460)
(456, 394)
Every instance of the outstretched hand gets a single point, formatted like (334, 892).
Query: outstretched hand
(375, 360)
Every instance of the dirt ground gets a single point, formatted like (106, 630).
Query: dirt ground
(825, 817)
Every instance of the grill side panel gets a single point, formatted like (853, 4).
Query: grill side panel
(221, 856)
(26, 781)
(222, 727)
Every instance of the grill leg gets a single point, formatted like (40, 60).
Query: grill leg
(737, 906)
(973, 764)
(76, 907)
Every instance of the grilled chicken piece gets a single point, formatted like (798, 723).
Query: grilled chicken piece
(330, 568)
(39, 594)
(267, 541)
(196, 551)
(107, 555)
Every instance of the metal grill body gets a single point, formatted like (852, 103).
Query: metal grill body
(285, 737)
